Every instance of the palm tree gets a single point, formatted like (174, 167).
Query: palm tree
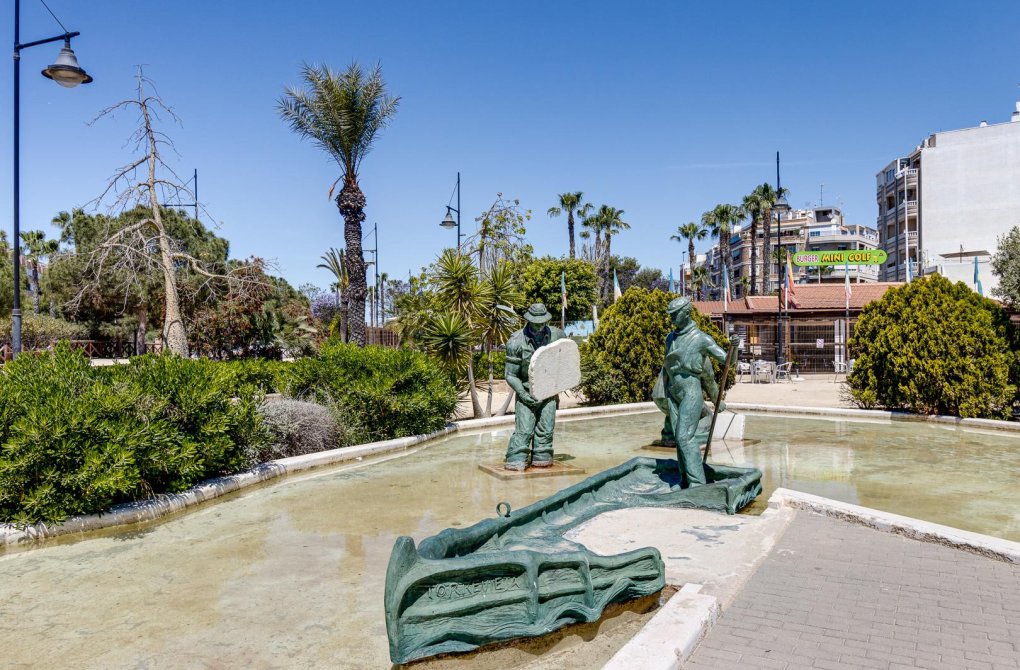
(569, 203)
(607, 222)
(690, 232)
(342, 113)
(35, 248)
(759, 204)
(700, 280)
(336, 262)
(722, 221)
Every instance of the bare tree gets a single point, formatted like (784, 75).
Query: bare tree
(134, 248)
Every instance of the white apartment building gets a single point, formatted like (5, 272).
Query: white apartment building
(948, 202)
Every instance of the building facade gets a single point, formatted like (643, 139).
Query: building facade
(815, 229)
(946, 203)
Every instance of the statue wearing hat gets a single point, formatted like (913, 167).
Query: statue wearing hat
(535, 419)
(686, 377)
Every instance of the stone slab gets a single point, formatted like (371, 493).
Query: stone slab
(557, 469)
(554, 368)
(716, 550)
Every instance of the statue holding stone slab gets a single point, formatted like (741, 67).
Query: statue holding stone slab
(540, 362)
(686, 377)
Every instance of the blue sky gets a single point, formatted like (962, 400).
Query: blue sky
(660, 109)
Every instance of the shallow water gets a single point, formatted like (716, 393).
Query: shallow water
(291, 575)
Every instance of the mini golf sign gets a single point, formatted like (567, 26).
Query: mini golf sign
(850, 256)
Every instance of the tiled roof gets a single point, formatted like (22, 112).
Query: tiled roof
(804, 297)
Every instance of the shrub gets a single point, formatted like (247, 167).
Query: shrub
(296, 427)
(393, 392)
(621, 359)
(261, 374)
(41, 331)
(934, 347)
(75, 440)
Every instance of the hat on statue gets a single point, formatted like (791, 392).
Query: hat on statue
(537, 314)
(678, 304)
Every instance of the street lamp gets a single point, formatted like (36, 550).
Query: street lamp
(448, 221)
(66, 72)
(779, 207)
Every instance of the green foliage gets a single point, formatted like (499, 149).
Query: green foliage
(263, 375)
(498, 364)
(1006, 265)
(76, 439)
(628, 348)
(39, 331)
(393, 392)
(934, 347)
(540, 282)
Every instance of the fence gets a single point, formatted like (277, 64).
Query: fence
(812, 344)
(381, 337)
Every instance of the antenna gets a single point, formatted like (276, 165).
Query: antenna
(821, 195)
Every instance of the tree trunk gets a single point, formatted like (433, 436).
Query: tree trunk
(608, 259)
(690, 263)
(34, 286)
(506, 403)
(53, 309)
(143, 313)
(570, 231)
(351, 203)
(476, 405)
(488, 401)
(754, 255)
(345, 321)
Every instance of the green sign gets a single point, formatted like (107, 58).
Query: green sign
(848, 257)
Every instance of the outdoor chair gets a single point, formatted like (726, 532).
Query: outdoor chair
(763, 372)
(783, 372)
(743, 368)
(839, 368)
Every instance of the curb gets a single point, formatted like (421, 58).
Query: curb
(915, 529)
(672, 635)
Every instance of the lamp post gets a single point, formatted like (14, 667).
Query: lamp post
(448, 221)
(66, 72)
(780, 207)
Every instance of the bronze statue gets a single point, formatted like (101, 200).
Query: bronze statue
(686, 377)
(534, 419)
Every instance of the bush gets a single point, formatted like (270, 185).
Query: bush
(76, 439)
(41, 331)
(934, 347)
(296, 427)
(621, 359)
(263, 375)
(391, 392)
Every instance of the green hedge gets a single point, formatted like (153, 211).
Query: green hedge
(934, 347)
(39, 331)
(76, 439)
(621, 359)
(388, 392)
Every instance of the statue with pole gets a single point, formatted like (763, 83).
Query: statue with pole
(687, 376)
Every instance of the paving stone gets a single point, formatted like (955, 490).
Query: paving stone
(884, 600)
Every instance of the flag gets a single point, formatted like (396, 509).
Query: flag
(846, 281)
(977, 280)
(671, 280)
(910, 273)
(789, 274)
(563, 298)
(617, 294)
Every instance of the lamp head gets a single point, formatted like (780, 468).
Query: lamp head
(66, 70)
(448, 221)
(781, 205)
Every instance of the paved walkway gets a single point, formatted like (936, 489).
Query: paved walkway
(834, 595)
